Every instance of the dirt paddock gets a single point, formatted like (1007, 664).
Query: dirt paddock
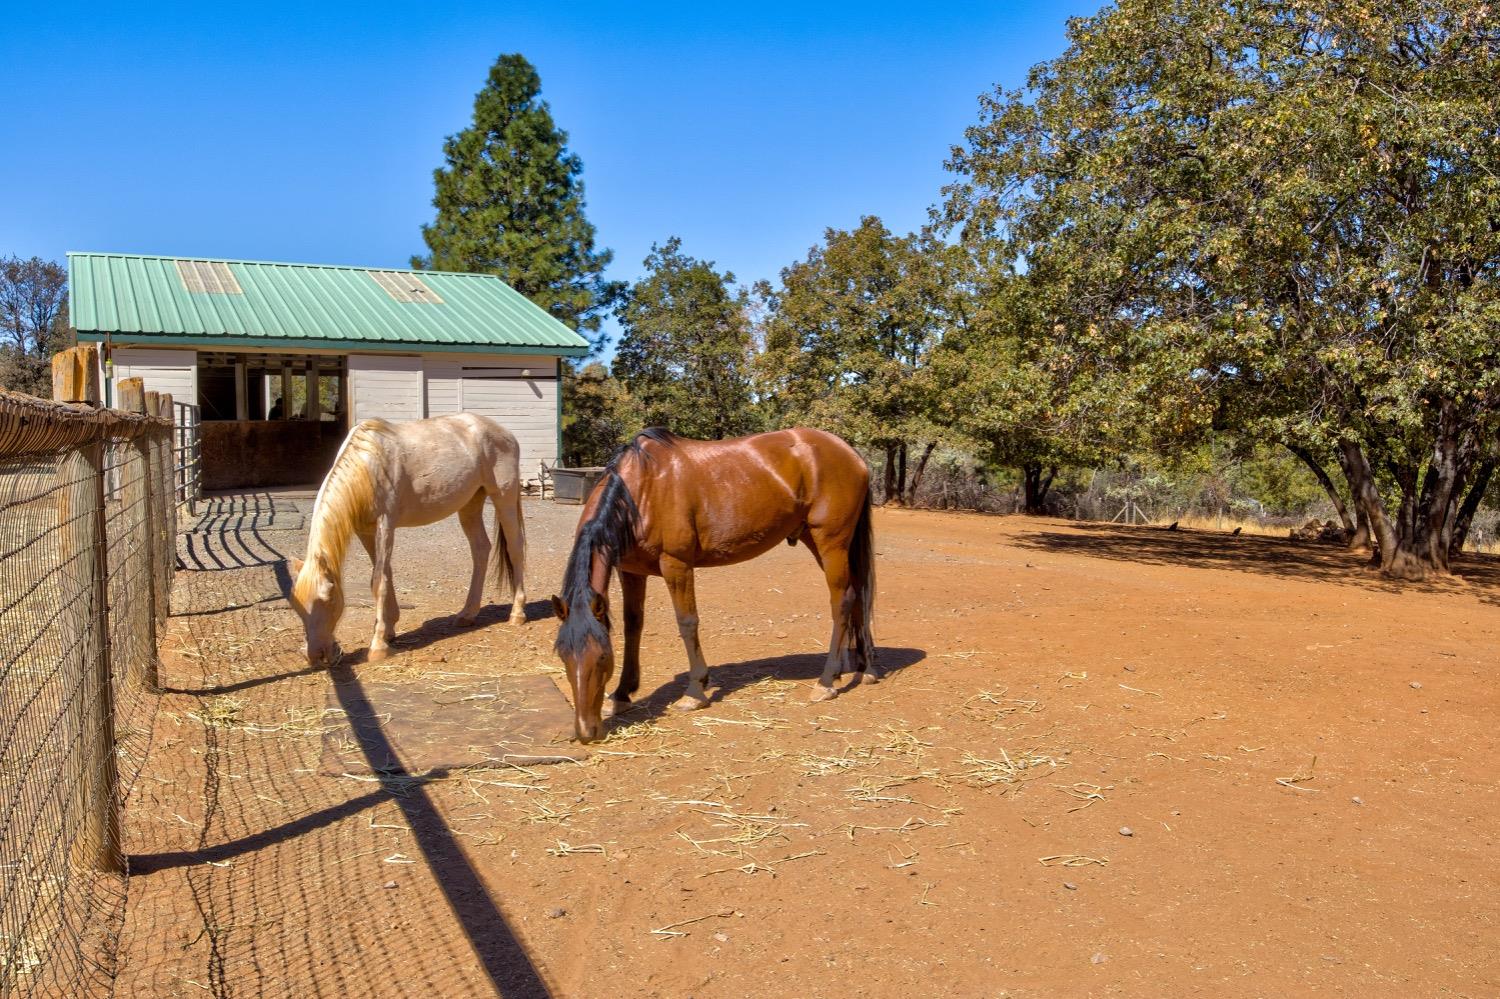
(1106, 761)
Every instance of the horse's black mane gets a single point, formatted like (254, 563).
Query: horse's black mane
(611, 530)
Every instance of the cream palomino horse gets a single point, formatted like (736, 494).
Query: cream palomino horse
(405, 475)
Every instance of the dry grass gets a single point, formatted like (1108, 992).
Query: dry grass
(1226, 525)
(1008, 771)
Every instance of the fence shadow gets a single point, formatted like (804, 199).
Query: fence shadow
(261, 871)
(231, 534)
(1280, 557)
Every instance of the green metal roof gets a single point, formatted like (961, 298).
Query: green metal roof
(284, 305)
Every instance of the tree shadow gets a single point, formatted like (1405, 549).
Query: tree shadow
(1271, 556)
(725, 679)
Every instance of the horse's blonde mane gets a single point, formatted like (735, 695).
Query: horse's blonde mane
(346, 501)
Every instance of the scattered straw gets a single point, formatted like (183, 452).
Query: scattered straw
(567, 849)
(755, 721)
(670, 930)
(755, 867)
(1085, 792)
(1072, 860)
(744, 831)
(910, 825)
(992, 707)
(220, 712)
(1007, 771)
(1300, 777)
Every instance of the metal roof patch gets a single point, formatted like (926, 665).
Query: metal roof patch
(208, 277)
(405, 287)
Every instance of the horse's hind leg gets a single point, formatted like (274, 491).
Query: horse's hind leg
(633, 588)
(841, 605)
(679, 577)
(471, 519)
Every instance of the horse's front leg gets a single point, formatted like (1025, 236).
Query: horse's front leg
(679, 577)
(471, 519)
(633, 588)
(383, 591)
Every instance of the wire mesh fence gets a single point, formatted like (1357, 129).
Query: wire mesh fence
(87, 531)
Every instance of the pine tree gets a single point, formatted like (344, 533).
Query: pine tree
(509, 202)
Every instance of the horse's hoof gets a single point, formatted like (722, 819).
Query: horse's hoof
(467, 620)
(613, 707)
(687, 702)
(378, 655)
(867, 677)
(517, 618)
(822, 693)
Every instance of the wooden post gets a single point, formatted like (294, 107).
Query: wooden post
(158, 510)
(286, 391)
(241, 390)
(75, 375)
(314, 409)
(138, 501)
(166, 411)
(83, 549)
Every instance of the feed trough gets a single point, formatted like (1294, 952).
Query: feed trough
(573, 485)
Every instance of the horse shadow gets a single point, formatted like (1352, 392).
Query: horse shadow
(727, 678)
(435, 629)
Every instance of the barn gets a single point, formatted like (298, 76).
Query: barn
(282, 359)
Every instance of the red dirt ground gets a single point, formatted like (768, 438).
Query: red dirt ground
(1304, 756)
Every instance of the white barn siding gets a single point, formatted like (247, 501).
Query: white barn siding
(518, 392)
(385, 386)
(174, 371)
(441, 374)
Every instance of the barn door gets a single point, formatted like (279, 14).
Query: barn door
(523, 400)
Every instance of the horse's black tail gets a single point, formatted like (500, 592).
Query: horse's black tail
(862, 579)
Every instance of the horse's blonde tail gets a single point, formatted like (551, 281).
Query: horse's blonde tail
(505, 540)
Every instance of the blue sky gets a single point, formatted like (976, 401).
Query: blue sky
(283, 133)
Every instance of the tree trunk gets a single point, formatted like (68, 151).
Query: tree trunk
(890, 476)
(1416, 543)
(901, 476)
(921, 470)
(1362, 540)
(1465, 517)
(1035, 486)
(1327, 484)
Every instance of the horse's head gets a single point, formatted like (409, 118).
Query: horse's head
(318, 598)
(584, 647)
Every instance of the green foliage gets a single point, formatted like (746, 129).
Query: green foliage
(850, 334)
(33, 322)
(1017, 392)
(509, 202)
(685, 347)
(1277, 217)
(597, 415)
(850, 338)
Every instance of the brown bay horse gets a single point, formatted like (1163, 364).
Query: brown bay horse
(668, 505)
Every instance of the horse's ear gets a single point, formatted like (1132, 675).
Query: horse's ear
(559, 608)
(599, 607)
(296, 566)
